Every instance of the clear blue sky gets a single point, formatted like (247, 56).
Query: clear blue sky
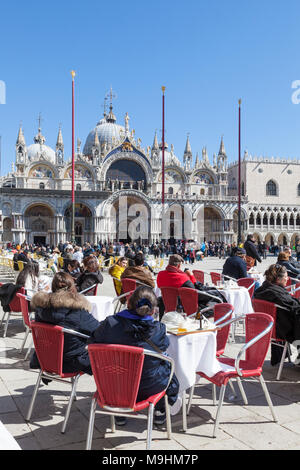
(208, 54)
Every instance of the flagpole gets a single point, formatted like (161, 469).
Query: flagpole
(163, 145)
(73, 161)
(239, 180)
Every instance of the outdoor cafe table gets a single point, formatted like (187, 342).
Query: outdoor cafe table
(192, 353)
(102, 306)
(238, 297)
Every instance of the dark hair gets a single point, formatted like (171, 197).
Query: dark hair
(143, 301)
(30, 269)
(74, 264)
(139, 259)
(64, 281)
(275, 272)
(121, 259)
(91, 264)
(283, 256)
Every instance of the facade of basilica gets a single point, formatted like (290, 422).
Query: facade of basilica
(117, 182)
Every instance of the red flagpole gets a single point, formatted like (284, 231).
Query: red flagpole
(163, 145)
(73, 160)
(239, 179)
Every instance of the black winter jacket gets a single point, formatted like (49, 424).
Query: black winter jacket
(87, 279)
(69, 311)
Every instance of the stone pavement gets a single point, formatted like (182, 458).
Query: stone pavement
(241, 427)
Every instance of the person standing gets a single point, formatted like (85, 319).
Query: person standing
(251, 250)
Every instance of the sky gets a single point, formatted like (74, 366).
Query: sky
(208, 55)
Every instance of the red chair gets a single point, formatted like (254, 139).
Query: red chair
(222, 313)
(249, 283)
(258, 335)
(296, 292)
(271, 309)
(199, 275)
(189, 299)
(117, 371)
(215, 277)
(170, 298)
(15, 307)
(49, 345)
(27, 322)
(128, 287)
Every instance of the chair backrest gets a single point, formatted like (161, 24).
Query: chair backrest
(199, 275)
(215, 277)
(49, 346)
(189, 299)
(170, 298)
(24, 309)
(128, 285)
(15, 304)
(289, 282)
(296, 293)
(117, 371)
(220, 311)
(247, 282)
(266, 307)
(256, 323)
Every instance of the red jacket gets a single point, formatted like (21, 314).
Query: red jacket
(173, 277)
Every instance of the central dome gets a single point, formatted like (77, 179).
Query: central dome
(108, 132)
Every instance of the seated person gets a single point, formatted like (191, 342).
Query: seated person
(292, 260)
(172, 276)
(73, 268)
(134, 327)
(139, 272)
(90, 276)
(116, 270)
(235, 266)
(288, 321)
(283, 260)
(31, 280)
(65, 307)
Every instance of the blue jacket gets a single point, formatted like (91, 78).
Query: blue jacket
(235, 267)
(118, 329)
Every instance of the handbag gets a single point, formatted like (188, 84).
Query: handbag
(250, 262)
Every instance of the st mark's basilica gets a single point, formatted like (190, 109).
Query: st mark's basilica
(35, 203)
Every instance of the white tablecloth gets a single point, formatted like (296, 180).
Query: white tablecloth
(102, 306)
(258, 277)
(192, 353)
(239, 298)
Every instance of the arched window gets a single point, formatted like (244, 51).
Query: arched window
(170, 191)
(271, 188)
(42, 185)
(243, 188)
(78, 187)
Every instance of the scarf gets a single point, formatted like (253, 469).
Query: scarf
(131, 315)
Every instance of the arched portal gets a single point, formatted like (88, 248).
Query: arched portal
(129, 219)
(39, 224)
(83, 223)
(7, 230)
(126, 174)
(213, 225)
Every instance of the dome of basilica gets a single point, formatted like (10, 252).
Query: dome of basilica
(108, 131)
(170, 157)
(40, 152)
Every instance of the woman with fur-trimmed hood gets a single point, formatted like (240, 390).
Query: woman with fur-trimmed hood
(65, 307)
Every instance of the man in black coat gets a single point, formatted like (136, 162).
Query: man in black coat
(251, 250)
(235, 266)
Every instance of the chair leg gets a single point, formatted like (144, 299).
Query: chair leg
(268, 398)
(91, 425)
(73, 393)
(282, 361)
(221, 398)
(239, 382)
(3, 316)
(190, 399)
(168, 415)
(6, 325)
(214, 394)
(113, 423)
(184, 420)
(34, 396)
(25, 338)
(28, 350)
(150, 426)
